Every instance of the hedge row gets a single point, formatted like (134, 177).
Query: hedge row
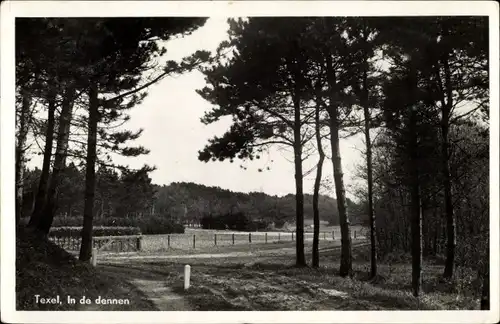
(147, 225)
(237, 221)
(75, 231)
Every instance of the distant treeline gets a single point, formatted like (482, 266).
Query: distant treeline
(131, 196)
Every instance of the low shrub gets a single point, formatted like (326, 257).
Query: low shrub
(150, 224)
(232, 221)
(75, 231)
(159, 225)
(279, 223)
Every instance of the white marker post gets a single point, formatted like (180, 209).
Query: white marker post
(94, 257)
(187, 275)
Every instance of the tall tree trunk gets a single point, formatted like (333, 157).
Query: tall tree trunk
(449, 212)
(90, 176)
(416, 209)
(20, 149)
(299, 186)
(446, 91)
(317, 183)
(45, 221)
(369, 167)
(345, 233)
(485, 291)
(41, 195)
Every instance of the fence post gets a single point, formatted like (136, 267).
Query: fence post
(187, 275)
(266, 237)
(249, 237)
(94, 257)
(168, 241)
(215, 239)
(233, 238)
(354, 233)
(194, 241)
(138, 243)
(333, 235)
(324, 236)
(279, 236)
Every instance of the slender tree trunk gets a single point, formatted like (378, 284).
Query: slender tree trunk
(369, 167)
(20, 149)
(435, 240)
(425, 232)
(317, 183)
(345, 233)
(450, 215)
(45, 221)
(90, 176)
(416, 209)
(299, 186)
(485, 291)
(446, 107)
(41, 194)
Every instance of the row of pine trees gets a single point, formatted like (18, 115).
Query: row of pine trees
(415, 88)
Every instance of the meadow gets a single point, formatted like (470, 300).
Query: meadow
(197, 238)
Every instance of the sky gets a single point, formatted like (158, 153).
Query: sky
(170, 116)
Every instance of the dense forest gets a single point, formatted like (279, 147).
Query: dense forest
(132, 195)
(416, 88)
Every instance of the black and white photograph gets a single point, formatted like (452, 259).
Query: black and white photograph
(216, 161)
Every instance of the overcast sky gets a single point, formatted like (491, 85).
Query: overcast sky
(170, 116)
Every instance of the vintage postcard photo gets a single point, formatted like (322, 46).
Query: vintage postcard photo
(249, 162)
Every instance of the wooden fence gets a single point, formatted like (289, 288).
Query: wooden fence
(207, 239)
(134, 243)
(123, 243)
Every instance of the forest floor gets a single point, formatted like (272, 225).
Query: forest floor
(268, 280)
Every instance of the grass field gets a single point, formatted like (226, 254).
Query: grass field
(196, 238)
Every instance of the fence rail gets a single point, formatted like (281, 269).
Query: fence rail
(198, 240)
(123, 243)
(189, 241)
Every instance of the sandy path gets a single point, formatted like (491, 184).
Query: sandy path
(152, 284)
(162, 296)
